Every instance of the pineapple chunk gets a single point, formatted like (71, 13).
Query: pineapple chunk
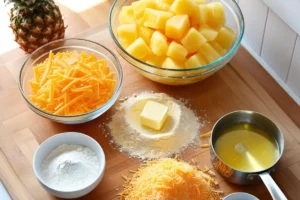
(209, 33)
(140, 6)
(156, 19)
(199, 2)
(195, 60)
(161, 5)
(139, 49)
(155, 60)
(170, 63)
(177, 26)
(124, 43)
(218, 47)
(225, 37)
(188, 7)
(150, 70)
(158, 44)
(209, 52)
(180, 7)
(145, 33)
(177, 51)
(193, 40)
(167, 1)
(126, 15)
(216, 14)
(127, 31)
(195, 15)
(203, 14)
(202, 58)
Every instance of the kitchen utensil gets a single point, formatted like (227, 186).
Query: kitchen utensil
(239, 177)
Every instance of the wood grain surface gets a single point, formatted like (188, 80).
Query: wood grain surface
(232, 88)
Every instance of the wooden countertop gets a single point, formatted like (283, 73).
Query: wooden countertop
(240, 85)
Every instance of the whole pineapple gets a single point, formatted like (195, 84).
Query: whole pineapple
(35, 23)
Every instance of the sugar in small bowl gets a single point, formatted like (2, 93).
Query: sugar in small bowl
(69, 165)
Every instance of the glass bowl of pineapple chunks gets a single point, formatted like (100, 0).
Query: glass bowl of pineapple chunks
(176, 42)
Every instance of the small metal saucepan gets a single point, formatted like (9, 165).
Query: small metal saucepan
(240, 177)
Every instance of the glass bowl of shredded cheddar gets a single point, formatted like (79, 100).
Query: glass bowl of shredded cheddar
(71, 81)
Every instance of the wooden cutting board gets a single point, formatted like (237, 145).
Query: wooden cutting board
(232, 88)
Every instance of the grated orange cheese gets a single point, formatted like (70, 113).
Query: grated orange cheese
(71, 83)
(168, 179)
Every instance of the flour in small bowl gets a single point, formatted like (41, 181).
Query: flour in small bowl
(70, 167)
(179, 131)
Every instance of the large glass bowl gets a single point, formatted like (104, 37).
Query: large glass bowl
(234, 20)
(63, 45)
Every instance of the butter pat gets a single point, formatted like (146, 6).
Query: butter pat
(154, 115)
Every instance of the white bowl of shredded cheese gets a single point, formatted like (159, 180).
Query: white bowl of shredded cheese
(69, 165)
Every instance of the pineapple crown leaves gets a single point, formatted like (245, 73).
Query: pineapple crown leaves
(21, 7)
(18, 2)
(28, 4)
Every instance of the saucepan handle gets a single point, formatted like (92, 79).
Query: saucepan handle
(273, 188)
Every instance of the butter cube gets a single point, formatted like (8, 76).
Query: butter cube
(154, 115)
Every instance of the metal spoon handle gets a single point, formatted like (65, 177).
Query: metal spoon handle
(273, 188)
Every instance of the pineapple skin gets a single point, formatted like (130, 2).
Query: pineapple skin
(35, 23)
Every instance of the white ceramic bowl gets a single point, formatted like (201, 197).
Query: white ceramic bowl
(67, 138)
(240, 196)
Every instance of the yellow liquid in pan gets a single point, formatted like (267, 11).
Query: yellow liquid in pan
(247, 148)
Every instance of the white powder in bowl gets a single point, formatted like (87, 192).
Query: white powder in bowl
(179, 131)
(70, 167)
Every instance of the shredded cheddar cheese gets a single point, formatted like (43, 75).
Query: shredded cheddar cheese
(208, 134)
(204, 145)
(168, 179)
(71, 83)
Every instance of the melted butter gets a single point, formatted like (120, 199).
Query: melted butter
(246, 147)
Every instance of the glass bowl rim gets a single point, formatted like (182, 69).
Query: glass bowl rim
(184, 76)
(216, 62)
(116, 92)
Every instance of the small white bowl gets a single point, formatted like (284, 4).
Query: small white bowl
(240, 196)
(67, 138)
